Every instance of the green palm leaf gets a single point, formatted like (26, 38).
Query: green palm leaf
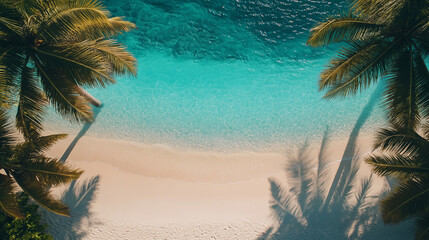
(43, 143)
(63, 94)
(7, 87)
(64, 17)
(396, 165)
(31, 105)
(357, 67)
(343, 28)
(114, 54)
(83, 66)
(49, 171)
(10, 26)
(408, 199)
(384, 11)
(422, 87)
(40, 194)
(399, 140)
(12, 59)
(33, 148)
(94, 30)
(8, 201)
(6, 139)
(401, 93)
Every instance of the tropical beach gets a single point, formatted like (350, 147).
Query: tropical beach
(203, 119)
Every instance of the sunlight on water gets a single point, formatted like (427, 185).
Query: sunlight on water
(223, 75)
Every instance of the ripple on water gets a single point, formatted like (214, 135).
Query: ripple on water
(223, 74)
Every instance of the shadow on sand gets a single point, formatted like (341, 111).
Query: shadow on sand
(78, 197)
(82, 132)
(317, 207)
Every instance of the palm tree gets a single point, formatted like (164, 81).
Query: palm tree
(49, 49)
(404, 154)
(384, 39)
(25, 165)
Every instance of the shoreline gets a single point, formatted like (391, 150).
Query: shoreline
(139, 158)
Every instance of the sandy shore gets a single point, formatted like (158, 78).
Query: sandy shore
(137, 191)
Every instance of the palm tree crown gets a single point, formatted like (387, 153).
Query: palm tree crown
(49, 48)
(384, 38)
(24, 164)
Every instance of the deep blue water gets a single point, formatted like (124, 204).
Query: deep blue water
(219, 74)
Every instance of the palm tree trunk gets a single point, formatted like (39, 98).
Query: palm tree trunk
(88, 96)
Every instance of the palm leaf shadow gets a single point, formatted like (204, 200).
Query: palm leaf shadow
(315, 209)
(79, 198)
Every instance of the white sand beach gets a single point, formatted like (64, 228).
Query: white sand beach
(143, 191)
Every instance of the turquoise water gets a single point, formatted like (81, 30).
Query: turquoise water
(223, 75)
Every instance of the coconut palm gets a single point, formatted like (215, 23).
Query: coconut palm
(49, 49)
(404, 154)
(24, 164)
(383, 39)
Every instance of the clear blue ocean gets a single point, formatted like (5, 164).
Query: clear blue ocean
(223, 74)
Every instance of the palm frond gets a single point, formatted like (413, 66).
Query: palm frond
(406, 200)
(94, 30)
(43, 143)
(49, 171)
(396, 165)
(60, 17)
(425, 129)
(8, 201)
(12, 59)
(80, 19)
(31, 105)
(118, 25)
(7, 88)
(40, 194)
(357, 67)
(9, 8)
(80, 65)
(384, 11)
(115, 55)
(6, 139)
(422, 85)
(399, 140)
(37, 8)
(34, 147)
(342, 28)
(62, 93)
(401, 94)
(10, 26)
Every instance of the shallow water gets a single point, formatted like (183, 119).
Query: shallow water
(223, 74)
